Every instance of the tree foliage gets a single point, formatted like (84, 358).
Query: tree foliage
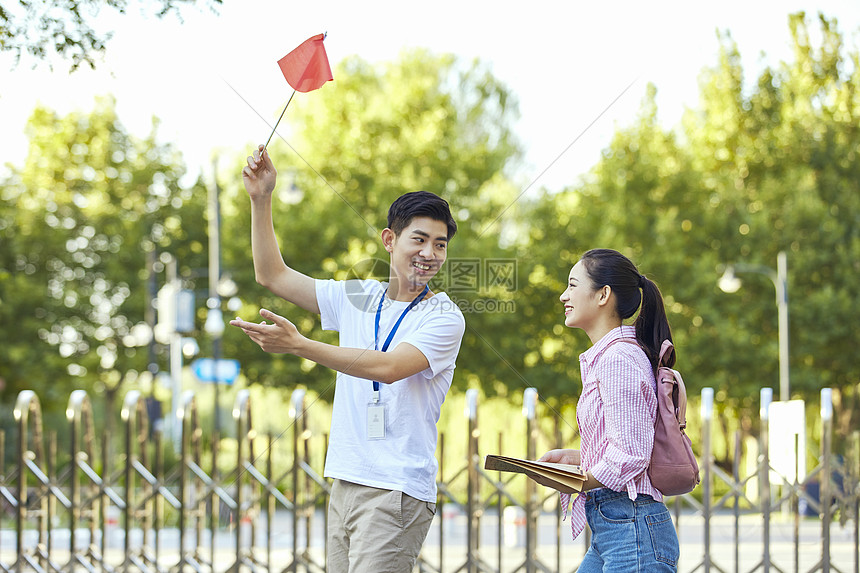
(753, 171)
(76, 223)
(67, 29)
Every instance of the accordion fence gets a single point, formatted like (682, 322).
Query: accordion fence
(68, 505)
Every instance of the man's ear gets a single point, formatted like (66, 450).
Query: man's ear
(388, 237)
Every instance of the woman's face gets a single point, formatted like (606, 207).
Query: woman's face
(580, 299)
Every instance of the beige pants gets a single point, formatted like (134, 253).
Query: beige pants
(374, 530)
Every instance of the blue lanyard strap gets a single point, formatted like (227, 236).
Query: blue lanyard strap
(394, 328)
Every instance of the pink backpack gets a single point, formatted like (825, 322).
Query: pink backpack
(673, 468)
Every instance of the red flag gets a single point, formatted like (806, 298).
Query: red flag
(306, 68)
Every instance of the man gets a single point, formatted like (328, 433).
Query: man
(398, 346)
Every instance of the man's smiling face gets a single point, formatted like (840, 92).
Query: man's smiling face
(418, 252)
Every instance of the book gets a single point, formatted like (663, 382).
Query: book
(546, 473)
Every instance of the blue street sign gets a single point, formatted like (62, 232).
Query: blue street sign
(209, 370)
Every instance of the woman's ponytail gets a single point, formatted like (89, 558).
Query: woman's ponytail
(652, 326)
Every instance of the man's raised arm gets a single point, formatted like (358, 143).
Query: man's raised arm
(270, 270)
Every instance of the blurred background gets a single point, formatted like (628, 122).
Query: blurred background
(716, 146)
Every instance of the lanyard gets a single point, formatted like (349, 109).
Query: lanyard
(412, 305)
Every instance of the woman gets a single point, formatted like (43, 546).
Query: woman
(631, 527)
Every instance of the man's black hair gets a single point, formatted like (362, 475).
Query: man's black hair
(420, 204)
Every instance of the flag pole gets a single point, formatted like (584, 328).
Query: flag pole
(279, 119)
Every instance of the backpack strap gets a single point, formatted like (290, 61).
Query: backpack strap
(669, 375)
(623, 339)
(629, 341)
(666, 350)
(666, 375)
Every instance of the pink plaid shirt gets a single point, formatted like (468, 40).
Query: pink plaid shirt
(616, 420)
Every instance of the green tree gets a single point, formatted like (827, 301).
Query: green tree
(779, 165)
(754, 171)
(76, 224)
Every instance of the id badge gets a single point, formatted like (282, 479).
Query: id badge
(375, 421)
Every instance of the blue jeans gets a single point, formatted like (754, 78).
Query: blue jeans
(628, 535)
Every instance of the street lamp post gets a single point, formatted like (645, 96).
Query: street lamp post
(214, 318)
(730, 283)
(220, 287)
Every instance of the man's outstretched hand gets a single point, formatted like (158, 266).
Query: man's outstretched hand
(259, 175)
(281, 336)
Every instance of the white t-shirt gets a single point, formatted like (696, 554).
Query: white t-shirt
(405, 459)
